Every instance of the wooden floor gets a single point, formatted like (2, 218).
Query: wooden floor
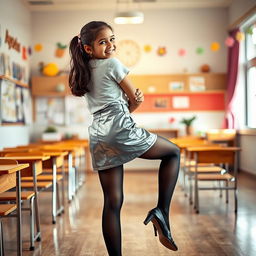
(215, 231)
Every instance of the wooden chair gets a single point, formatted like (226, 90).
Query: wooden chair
(226, 137)
(28, 196)
(226, 158)
(10, 169)
(46, 181)
(185, 164)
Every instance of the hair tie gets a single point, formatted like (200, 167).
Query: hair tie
(79, 39)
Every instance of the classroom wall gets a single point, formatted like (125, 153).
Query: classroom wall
(173, 29)
(16, 18)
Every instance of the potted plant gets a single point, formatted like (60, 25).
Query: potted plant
(188, 123)
(51, 134)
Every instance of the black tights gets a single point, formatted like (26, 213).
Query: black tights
(112, 185)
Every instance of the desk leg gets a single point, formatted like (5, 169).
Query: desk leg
(38, 236)
(19, 227)
(70, 171)
(54, 194)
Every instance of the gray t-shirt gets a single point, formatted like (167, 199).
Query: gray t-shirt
(104, 86)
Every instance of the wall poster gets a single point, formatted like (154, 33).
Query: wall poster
(50, 111)
(16, 106)
(8, 103)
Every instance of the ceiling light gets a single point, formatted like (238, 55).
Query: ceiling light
(129, 17)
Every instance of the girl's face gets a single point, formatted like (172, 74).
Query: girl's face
(104, 45)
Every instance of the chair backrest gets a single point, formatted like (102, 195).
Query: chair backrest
(216, 156)
(8, 161)
(227, 136)
(24, 154)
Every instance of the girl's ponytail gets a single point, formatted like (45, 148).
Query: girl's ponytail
(79, 75)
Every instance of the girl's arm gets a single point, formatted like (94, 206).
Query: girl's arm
(135, 95)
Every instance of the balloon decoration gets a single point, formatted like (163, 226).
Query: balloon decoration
(215, 46)
(199, 50)
(38, 47)
(161, 51)
(147, 48)
(229, 42)
(182, 52)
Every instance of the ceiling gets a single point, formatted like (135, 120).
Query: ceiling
(59, 5)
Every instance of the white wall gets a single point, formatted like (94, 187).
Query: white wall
(16, 18)
(174, 28)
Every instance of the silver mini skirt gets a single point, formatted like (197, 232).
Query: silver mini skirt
(115, 139)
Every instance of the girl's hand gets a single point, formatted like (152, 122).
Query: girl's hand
(139, 97)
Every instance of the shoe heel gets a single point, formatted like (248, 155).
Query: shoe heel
(148, 219)
(155, 230)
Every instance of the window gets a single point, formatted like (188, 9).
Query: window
(250, 64)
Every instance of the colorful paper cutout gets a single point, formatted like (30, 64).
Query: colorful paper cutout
(182, 52)
(161, 51)
(24, 53)
(147, 48)
(38, 47)
(215, 46)
(229, 42)
(60, 50)
(240, 36)
(199, 50)
(29, 50)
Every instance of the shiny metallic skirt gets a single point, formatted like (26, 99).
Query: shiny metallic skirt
(115, 139)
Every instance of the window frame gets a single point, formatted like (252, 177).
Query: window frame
(249, 63)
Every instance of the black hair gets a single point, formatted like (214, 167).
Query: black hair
(80, 73)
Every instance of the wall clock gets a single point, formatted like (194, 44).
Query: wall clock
(128, 51)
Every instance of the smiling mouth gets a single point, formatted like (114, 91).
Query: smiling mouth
(110, 51)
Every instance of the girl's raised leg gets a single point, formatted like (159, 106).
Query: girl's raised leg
(112, 185)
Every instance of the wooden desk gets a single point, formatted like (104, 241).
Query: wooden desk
(57, 161)
(34, 168)
(8, 181)
(72, 152)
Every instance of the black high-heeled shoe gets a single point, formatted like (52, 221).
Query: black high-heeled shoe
(160, 226)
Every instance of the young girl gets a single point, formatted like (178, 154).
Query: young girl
(114, 137)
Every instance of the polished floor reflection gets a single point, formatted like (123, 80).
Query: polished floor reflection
(215, 231)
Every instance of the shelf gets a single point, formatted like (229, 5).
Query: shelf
(186, 92)
(14, 81)
(44, 86)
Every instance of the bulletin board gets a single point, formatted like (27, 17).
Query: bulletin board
(61, 111)
(15, 103)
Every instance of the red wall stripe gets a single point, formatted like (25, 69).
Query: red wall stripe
(214, 101)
